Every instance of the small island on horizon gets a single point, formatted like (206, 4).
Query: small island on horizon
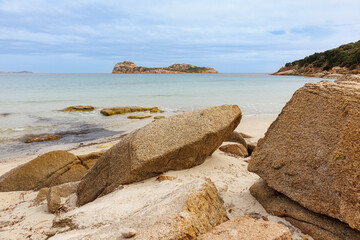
(130, 67)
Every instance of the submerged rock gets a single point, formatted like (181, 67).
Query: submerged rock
(245, 228)
(311, 151)
(122, 110)
(178, 142)
(139, 116)
(316, 225)
(42, 138)
(79, 108)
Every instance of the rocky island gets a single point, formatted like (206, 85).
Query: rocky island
(334, 63)
(130, 67)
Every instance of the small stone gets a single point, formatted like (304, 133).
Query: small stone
(159, 117)
(237, 138)
(128, 232)
(165, 178)
(235, 149)
(55, 195)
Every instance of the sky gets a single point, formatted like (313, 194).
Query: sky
(78, 36)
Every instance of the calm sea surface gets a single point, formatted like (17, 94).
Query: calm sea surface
(29, 102)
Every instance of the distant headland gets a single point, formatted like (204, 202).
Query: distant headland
(17, 72)
(130, 67)
(334, 63)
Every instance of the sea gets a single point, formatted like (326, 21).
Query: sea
(30, 103)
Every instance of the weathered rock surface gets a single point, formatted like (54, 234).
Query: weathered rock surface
(79, 108)
(347, 78)
(42, 138)
(236, 137)
(245, 228)
(89, 160)
(178, 142)
(311, 151)
(130, 67)
(122, 110)
(57, 193)
(50, 169)
(180, 211)
(42, 195)
(317, 225)
(235, 149)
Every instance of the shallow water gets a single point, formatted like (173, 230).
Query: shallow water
(29, 102)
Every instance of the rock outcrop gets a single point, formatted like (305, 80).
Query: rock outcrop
(181, 211)
(130, 67)
(332, 63)
(79, 108)
(317, 225)
(123, 110)
(245, 228)
(178, 142)
(348, 78)
(50, 169)
(311, 151)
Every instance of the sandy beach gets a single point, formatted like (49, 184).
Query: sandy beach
(20, 218)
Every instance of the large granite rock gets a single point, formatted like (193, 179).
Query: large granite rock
(165, 210)
(311, 153)
(178, 142)
(50, 169)
(316, 225)
(245, 228)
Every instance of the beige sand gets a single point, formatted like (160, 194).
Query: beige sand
(20, 219)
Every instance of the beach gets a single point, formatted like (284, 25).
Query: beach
(228, 173)
(260, 98)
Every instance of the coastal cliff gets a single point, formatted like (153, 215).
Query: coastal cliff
(130, 67)
(333, 63)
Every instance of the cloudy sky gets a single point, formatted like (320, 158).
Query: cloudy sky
(230, 35)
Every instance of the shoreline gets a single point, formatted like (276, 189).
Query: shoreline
(251, 125)
(229, 174)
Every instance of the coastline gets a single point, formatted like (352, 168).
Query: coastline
(229, 174)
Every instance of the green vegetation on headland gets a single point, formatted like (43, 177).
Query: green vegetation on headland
(342, 60)
(130, 67)
(347, 55)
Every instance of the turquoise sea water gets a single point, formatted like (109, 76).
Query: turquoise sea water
(28, 102)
